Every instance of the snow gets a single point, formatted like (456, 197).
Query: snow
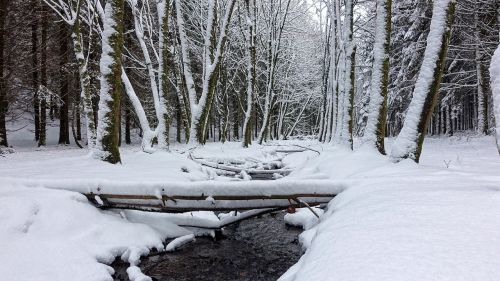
(433, 221)
(179, 241)
(56, 235)
(303, 217)
(77, 167)
(391, 221)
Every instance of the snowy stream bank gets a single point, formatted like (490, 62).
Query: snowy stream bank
(259, 249)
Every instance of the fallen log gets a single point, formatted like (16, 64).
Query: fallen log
(205, 203)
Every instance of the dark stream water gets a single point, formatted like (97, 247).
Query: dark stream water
(259, 249)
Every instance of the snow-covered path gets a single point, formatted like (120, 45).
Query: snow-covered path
(434, 221)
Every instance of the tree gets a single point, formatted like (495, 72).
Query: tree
(251, 53)
(377, 115)
(347, 104)
(43, 90)
(70, 13)
(276, 18)
(107, 141)
(64, 85)
(409, 142)
(495, 86)
(163, 114)
(213, 51)
(35, 78)
(3, 91)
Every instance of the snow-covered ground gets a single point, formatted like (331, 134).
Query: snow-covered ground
(433, 221)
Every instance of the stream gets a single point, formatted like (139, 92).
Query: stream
(258, 249)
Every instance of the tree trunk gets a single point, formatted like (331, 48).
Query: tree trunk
(377, 115)
(3, 91)
(481, 89)
(495, 85)
(163, 114)
(106, 147)
(128, 122)
(42, 141)
(63, 72)
(251, 39)
(348, 105)
(409, 142)
(85, 86)
(34, 54)
(77, 116)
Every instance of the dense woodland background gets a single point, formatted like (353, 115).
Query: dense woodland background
(286, 44)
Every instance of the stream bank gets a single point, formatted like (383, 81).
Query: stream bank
(258, 249)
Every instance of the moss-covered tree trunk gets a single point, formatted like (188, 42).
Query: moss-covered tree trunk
(377, 115)
(164, 114)
(431, 100)
(409, 142)
(214, 58)
(111, 88)
(348, 104)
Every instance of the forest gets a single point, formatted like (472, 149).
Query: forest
(247, 71)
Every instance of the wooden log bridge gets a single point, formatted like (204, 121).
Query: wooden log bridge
(217, 196)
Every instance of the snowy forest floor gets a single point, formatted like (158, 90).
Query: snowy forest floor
(434, 221)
